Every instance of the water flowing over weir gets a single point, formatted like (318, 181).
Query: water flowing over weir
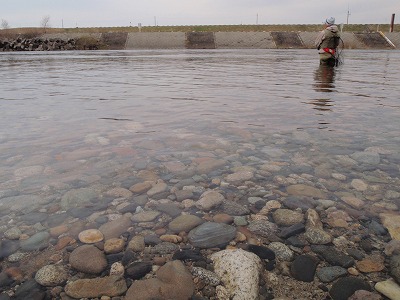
(117, 163)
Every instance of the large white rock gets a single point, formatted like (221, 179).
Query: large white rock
(239, 271)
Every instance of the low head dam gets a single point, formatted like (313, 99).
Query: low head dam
(197, 40)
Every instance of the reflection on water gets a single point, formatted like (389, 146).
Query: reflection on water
(325, 79)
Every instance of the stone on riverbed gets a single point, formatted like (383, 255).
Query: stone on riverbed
(303, 268)
(389, 288)
(305, 190)
(395, 267)
(329, 274)
(287, 217)
(347, 286)
(173, 281)
(77, 198)
(392, 223)
(210, 235)
(88, 259)
(90, 236)
(115, 228)
(38, 241)
(110, 286)
(239, 271)
(184, 223)
(209, 200)
(51, 275)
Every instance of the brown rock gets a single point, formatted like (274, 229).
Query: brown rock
(90, 236)
(371, 264)
(88, 259)
(140, 188)
(64, 242)
(223, 218)
(58, 230)
(173, 281)
(305, 190)
(115, 228)
(110, 286)
(114, 245)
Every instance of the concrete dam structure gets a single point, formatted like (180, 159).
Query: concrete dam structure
(233, 40)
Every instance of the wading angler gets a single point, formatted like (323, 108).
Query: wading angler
(327, 43)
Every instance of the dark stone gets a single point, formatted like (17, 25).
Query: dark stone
(304, 203)
(8, 247)
(366, 245)
(56, 219)
(129, 257)
(170, 209)
(292, 230)
(29, 290)
(152, 240)
(112, 258)
(377, 228)
(101, 220)
(333, 256)
(296, 242)
(303, 268)
(345, 287)
(4, 296)
(259, 204)
(329, 274)
(262, 252)
(395, 267)
(34, 218)
(5, 280)
(188, 255)
(138, 270)
(211, 234)
(130, 208)
(355, 253)
(80, 212)
(270, 265)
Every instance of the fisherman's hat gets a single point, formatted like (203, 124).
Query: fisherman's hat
(330, 21)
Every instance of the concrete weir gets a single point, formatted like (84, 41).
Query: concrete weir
(232, 40)
(254, 40)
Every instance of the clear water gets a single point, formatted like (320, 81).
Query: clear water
(97, 117)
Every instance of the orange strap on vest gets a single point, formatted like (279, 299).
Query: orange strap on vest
(329, 50)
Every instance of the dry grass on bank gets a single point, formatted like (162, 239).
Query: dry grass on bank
(33, 32)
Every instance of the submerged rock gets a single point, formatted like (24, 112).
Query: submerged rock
(347, 286)
(173, 281)
(239, 270)
(110, 286)
(210, 235)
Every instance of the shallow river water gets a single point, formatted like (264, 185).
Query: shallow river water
(249, 123)
(154, 103)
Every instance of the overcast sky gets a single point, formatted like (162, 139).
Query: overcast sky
(104, 13)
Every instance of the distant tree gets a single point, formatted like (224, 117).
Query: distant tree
(4, 24)
(45, 23)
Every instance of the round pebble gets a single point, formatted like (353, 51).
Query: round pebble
(90, 236)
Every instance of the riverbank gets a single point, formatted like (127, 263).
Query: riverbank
(199, 37)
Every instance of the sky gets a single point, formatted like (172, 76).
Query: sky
(108, 13)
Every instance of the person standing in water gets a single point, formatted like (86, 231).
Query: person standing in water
(327, 42)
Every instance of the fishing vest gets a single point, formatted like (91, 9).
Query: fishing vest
(331, 40)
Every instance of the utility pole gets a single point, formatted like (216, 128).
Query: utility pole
(62, 23)
(348, 14)
(257, 20)
(392, 23)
